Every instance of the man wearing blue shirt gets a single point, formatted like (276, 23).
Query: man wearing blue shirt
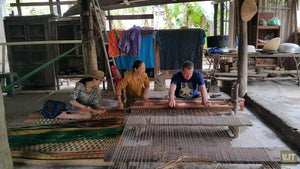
(186, 84)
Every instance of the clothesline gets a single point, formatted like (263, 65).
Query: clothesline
(175, 47)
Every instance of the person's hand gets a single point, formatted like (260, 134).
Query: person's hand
(120, 105)
(98, 112)
(206, 103)
(88, 108)
(145, 97)
(103, 110)
(172, 102)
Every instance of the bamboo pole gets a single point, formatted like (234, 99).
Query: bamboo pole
(5, 154)
(242, 54)
(41, 42)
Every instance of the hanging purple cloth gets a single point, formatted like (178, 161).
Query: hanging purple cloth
(146, 55)
(130, 41)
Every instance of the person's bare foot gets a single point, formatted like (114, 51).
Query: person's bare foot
(63, 115)
(98, 113)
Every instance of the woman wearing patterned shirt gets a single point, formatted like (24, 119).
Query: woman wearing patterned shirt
(136, 83)
(84, 100)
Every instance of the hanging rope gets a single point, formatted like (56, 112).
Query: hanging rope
(6, 88)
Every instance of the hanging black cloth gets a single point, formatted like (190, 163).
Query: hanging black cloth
(177, 46)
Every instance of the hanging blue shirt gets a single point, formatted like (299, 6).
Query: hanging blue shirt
(187, 88)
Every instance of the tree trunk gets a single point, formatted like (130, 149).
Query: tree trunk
(242, 54)
(185, 21)
(203, 22)
(168, 17)
(5, 155)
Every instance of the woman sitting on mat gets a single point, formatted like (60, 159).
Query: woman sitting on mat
(136, 83)
(84, 100)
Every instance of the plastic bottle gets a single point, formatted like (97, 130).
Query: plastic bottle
(241, 106)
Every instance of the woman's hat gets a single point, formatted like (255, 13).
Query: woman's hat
(248, 10)
(97, 74)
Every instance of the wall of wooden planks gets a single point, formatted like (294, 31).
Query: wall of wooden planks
(285, 11)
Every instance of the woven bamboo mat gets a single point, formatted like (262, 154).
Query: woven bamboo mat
(37, 118)
(81, 149)
(65, 139)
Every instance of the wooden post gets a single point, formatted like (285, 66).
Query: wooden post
(3, 59)
(216, 19)
(51, 7)
(297, 67)
(19, 7)
(109, 21)
(222, 19)
(3, 65)
(294, 16)
(5, 154)
(58, 8)
(242, 53)
(90, 56)
(231, 25)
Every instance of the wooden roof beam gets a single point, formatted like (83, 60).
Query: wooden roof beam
(43, 3)
(138, 3)
(125, 17)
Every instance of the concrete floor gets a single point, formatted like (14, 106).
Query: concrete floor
(275, 100)
(278, 105)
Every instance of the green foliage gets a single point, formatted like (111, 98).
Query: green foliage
(178, 22)
(193, 13)
(176, 15)
(131, 10)
(196, 15)
(176, 10)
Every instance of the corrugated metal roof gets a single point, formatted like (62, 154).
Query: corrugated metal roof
(119, 4)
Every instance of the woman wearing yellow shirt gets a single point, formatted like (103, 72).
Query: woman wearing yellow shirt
(136, 83)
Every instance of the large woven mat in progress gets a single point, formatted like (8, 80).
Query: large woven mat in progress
(188, 136)
(81, 149)
(38, 119)
(40, 138)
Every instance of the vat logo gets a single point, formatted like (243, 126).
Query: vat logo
(288, 157)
